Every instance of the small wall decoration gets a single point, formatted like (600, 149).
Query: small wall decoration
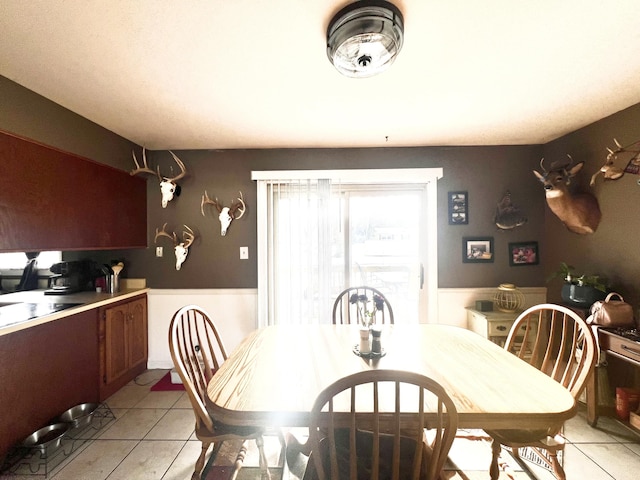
(458, 209)
(508, 216)
(523, 253)
(477, 249)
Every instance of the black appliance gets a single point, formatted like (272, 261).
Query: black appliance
(70, 277)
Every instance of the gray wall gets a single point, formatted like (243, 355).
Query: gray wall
(612, 251)
(485, 172)
(27, 114)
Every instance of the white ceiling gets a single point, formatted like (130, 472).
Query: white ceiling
(222, 74)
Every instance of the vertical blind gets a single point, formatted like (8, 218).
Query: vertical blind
(297, 258)
(298, 217)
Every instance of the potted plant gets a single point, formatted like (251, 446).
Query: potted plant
(580, 290)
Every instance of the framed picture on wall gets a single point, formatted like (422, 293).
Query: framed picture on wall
(458, 208)
(523, 253)
(477, 249)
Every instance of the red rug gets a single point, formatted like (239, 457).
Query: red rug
(165, 385)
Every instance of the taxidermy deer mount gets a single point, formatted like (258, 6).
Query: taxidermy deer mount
(226, 214)
(181, 249)
(579, 212)
(508, 216)
(168, 185)
(609, 170)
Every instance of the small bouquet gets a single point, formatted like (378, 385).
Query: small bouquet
(367, 309)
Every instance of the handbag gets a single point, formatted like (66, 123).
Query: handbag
(612, 313)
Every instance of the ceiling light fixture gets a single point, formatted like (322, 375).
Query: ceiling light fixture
(364, 38)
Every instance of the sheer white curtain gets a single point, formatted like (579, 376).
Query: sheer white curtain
(297, 216)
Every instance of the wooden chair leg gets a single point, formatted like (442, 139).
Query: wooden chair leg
(239, 461)
(494, 470)
(264, 467)
(197, 472)
(557, 468)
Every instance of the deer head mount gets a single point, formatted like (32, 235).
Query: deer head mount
(226, 214)
(168, 185)
(609, 170)
(579, 212)
(181, 248)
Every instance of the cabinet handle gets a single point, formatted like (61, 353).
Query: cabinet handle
(502, 328)
(631, 350)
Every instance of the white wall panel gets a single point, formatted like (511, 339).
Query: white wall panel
(234, 312)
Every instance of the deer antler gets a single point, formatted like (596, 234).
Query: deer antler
(206, 200)
(183, 170)
(544, 170)
(145, 168)
(236, 207)
(164, 233)
(189, 237)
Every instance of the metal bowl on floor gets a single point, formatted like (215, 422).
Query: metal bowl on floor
(48, 438)
(80, 415)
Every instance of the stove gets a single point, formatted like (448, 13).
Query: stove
(626, 332)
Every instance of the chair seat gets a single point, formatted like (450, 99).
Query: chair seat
(364, 449)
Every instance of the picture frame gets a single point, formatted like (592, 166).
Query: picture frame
(477, 250)
(458, 208)
(523, 253)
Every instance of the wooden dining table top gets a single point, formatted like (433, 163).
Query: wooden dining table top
(275, 374)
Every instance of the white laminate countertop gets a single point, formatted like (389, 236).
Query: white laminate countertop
(86, 300)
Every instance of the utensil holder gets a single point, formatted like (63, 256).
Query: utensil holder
(114, 283)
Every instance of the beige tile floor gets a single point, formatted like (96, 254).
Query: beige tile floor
(152, 438)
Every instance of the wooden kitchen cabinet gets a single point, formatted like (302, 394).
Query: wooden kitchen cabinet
(123, 343)
(46, 369)
(54, 200)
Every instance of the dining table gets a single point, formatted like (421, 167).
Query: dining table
(274, 376)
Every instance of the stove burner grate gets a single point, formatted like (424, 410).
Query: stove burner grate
(628, 333)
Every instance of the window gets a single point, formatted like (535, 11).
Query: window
(18, 260)
(320, 231)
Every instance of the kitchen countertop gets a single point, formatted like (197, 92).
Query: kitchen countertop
(84, 301)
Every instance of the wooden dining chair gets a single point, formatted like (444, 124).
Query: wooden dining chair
(559, 343)
(371, 425)
(197, 351)
(350, 304)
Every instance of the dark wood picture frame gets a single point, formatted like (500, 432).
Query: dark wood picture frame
(458, 208)
(523, 253)
(477, 250)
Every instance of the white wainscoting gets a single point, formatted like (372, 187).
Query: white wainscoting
(453, 301)
(235, 312)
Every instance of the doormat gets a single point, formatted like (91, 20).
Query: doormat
(165, 385)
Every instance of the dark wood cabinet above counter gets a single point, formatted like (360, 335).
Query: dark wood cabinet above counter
(55, 200)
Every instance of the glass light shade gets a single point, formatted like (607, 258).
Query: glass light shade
(364, 38)
(508, 298)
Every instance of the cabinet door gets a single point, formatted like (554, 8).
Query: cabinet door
(137, 332)
(55, 200)
(116, 361)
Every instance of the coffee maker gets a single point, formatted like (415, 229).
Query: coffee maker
(69, 277)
